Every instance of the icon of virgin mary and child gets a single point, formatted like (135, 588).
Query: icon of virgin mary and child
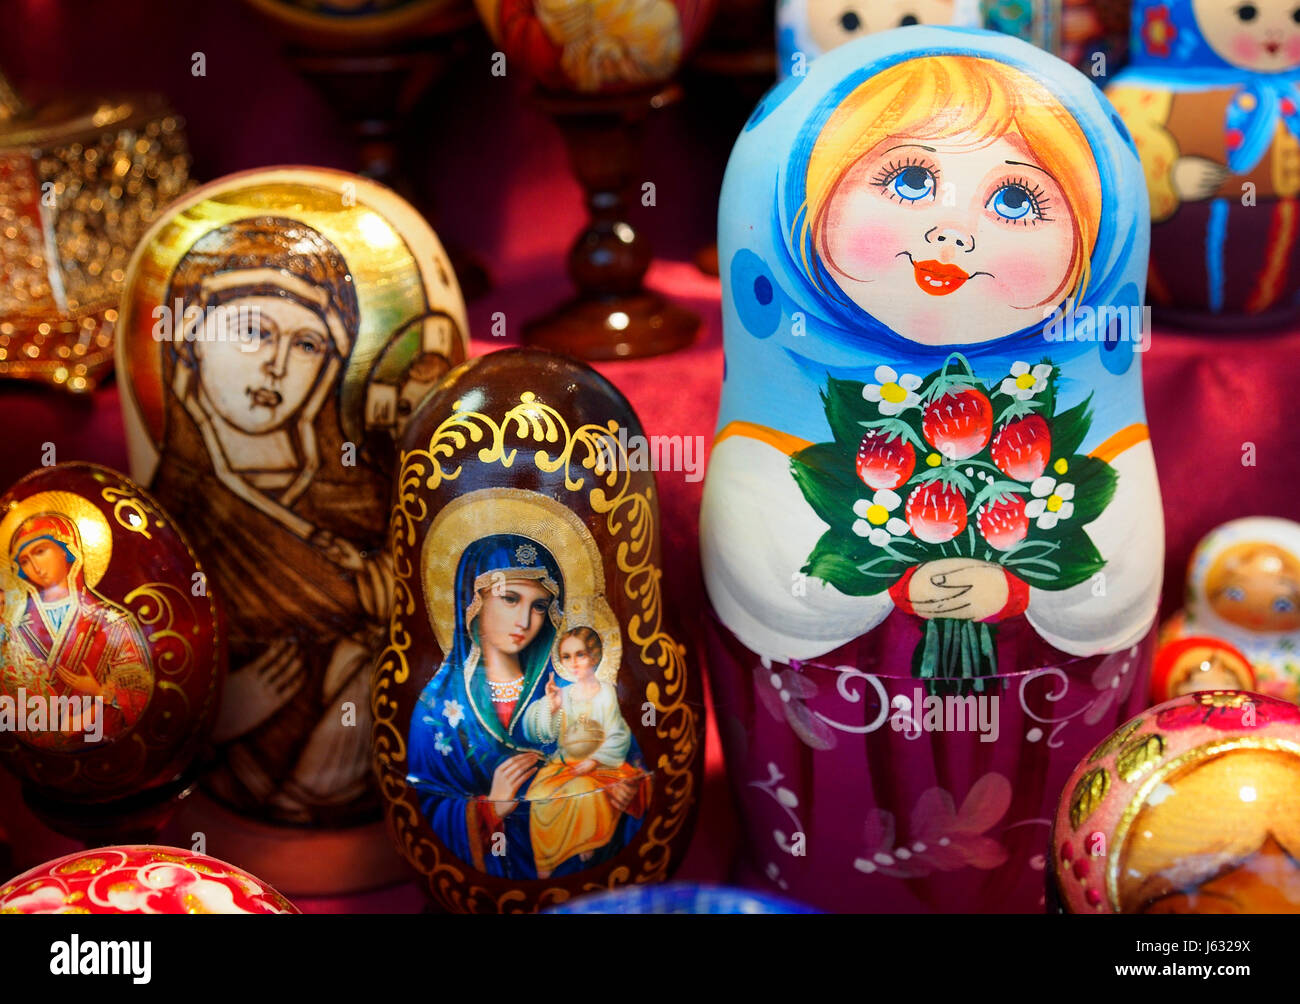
(522, 761)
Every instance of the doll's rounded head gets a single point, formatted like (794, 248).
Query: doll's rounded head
(833, 22)
(1258, 35)
(1189, 665)
(953, 198)
(1255, 584)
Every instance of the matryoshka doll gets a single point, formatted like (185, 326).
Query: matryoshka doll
(1089, 34)
(807, 28)
(1243, 589)
(1211, 101)
(277, 327)
(538, 725)
(1188, 665)
(1192, 807)
(932, 480)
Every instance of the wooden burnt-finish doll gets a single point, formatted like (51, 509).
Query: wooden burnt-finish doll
(1211, 99)
(537, 724)
(932, 461)
(1192, 807)
(278, 326)
(1243, 589)
(110, 652)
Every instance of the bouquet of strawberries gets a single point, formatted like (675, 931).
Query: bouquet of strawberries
(923, 469)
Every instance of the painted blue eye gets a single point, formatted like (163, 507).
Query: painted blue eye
(1235, 593)
(912, 184)
(1013, 202)
(1283, 605)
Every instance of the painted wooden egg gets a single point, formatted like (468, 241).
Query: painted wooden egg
(595, 46)
(538, 725)
(110, 655)
(807, 28)
(277, 328)
(1192, 807)
(1243, 589)
(139, 879)
(1211, 100)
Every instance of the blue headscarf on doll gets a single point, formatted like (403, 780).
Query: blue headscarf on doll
(456, 741)
(1169, 52)
(777, 320)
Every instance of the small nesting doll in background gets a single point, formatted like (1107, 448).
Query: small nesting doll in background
(110, 648)
(1211, 99)
(807, 28)
(1079, 31)
(276, 327)
(1243, 590)
(537, 725)
(1187, 665)
(931, 460)
(1192, 807)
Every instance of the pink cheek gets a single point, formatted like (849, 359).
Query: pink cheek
(1023, 278)
(1245, 48)
(865, 250)
(1292, 50)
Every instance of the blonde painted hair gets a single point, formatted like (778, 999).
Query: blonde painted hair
(941, 97)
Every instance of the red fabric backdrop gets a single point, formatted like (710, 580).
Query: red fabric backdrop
(497, 172)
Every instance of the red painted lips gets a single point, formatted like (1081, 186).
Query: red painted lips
(938, 279)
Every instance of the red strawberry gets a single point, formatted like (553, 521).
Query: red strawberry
(1003, 522)
(1022, 448)
(959, 424)
(936, 512)
(884, 464)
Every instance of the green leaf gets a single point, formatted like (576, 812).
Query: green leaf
(846, 411)
(842, 563)
(1094, 483)
(826, 476)
(1070, 427)
(1079, 560)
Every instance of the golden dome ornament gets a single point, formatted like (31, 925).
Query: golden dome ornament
(80, 182)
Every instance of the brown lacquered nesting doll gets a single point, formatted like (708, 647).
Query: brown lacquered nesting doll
(538, 725)
(278, 326)
(1192, 807)
(110, 654)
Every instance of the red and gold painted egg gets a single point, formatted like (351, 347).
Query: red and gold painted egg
(1192, 807)
(138, 880)
(110, 654)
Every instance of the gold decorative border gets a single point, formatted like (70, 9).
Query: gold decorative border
(629, 519)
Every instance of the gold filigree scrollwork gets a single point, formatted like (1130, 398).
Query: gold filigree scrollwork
(1088, 794)
(170, 650)
(589, 451)
(1139, 756)
(129, 510)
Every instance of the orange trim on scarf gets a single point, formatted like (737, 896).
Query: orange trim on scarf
(787, 444)
(1127, 437)
(1281, 239)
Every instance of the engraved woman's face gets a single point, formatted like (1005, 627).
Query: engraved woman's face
(834, 22)
(259, 360)
(1259, 35)
(947, 242)
(512, 614)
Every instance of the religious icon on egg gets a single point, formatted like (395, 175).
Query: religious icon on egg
(64, 639)
(307, 309)
(519, 733)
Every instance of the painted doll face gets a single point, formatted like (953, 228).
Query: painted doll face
(44, 563)
(1205, 668)
(577, 661)
(512, 615)
(834, 22)
(1256, 586)
(950, 243)
(1259, 35)
(259, 360)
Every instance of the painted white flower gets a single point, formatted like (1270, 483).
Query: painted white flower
(1024, 383)
(440, 744)
(1050, 503)
(893, 393)
(874, 520)
(453, 712)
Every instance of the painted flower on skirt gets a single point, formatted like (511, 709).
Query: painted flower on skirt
(1050, 503)
(783, 692)
(893, 393)
(440, 744)
(1227, 711)
(875, 521)
(1024, 383)
(453, 712)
